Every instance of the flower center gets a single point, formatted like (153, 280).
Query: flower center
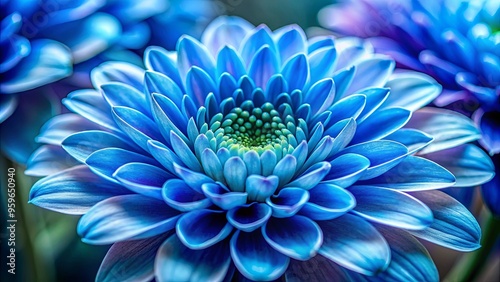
(255, 128)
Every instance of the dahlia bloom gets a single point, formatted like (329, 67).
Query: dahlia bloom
(257, 155)
(45, 41)
(456, 42)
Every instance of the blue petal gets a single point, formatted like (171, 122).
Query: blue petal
(119, 94)
(126, 217)
(414, 174)
(61, 126)
(490, 127)
(390, 207)
(200, 229)
(72, 191)
(285, 169)
(105, 162)
(117, 72)
(8, 104)
(343, 80)
(410, 261)
(222, 197)
(374, 99)
(354, 244)
(343, 132)
(312, 176)
(346, 170)
(413, 139)
(182, 197)
(252, 162)
(297, 237)
(411, 90)
(47, 160)
(373, 72)
(322, 63)
(259, 188)
(469, 164)
(288, 201)
(320, 41)
(257, 38)
(191, 53)
(454, 226)
(156, 82)
(176, 262)
(212, 165)
(255, 259)
(263, 65)
(144, 179)
(385, 121)
(321, 95)
(235, 173)
(296, 72)
(82, 144)
(449, 129)
(157, 59)
(328, 202)
(292, 40)
(164, 155)
(225, 31)
(383, 155)
(131, 259)
(136, 125)
(491, 191)
(275, 86)
(47, 62)
(228, 61)
(268, 162)
(168, 123)
(248, 218)
(348, 107)
(91, 105)
(184, 152)
(317, 268)
(194, 179)
(199, 84)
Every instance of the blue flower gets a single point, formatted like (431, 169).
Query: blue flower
(256, 154)
(456, 42)
(45, 41)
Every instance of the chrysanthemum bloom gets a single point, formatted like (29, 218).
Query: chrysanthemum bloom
(257, 154)
(457, 42)
(45, 41)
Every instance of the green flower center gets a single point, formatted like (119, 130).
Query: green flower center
(255, 128)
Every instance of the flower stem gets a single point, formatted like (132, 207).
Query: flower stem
(470, 265)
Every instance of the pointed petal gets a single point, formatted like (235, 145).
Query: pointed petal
(390, 207)
(72, 191)
(49, 159)
(469, 164)
(413, 139)
(411, 90)
(414, 174)
(449, 129)
(311, 177)
(355, 244)
(346, 170)
(454, 226)
(131, 259)
(141, 178)
(126, 217)
(385, 121)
